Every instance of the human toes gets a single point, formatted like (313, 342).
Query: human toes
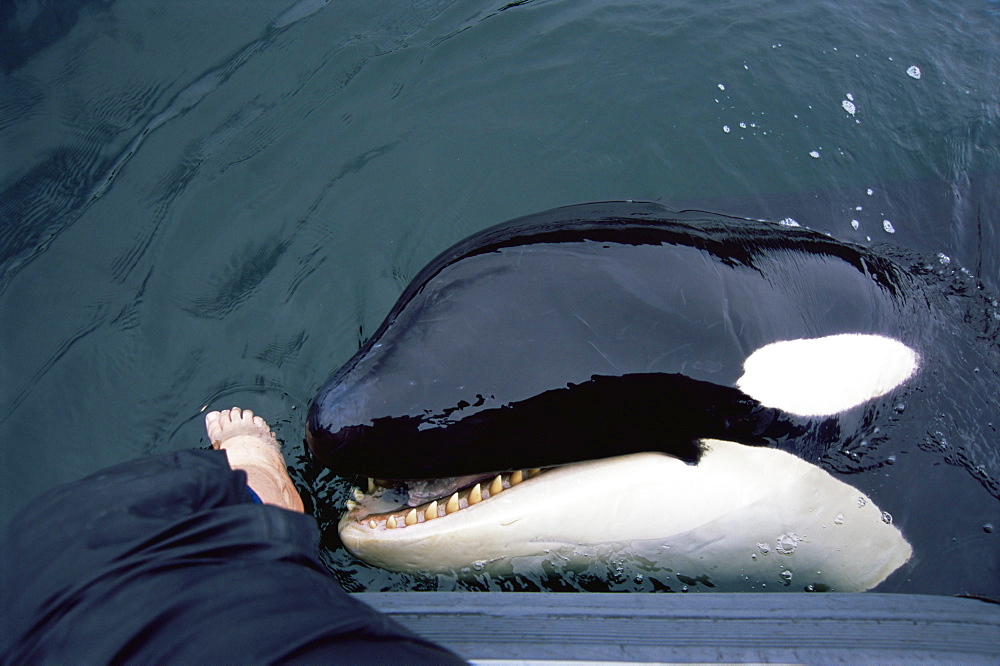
(250, 420)
(228, 422)
(213, 425)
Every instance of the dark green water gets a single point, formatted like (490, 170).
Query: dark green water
(208, 204)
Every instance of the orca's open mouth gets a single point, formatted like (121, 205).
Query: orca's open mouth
(366, 508)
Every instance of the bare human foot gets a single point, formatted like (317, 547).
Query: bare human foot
(252, 447)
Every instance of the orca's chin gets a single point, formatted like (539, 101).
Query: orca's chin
(743, 518)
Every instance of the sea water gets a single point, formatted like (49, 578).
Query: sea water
(209, 204)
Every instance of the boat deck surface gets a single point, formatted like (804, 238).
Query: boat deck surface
(553, 627)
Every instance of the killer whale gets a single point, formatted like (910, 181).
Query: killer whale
(598, 331)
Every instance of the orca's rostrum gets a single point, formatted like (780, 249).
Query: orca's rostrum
(620, 382)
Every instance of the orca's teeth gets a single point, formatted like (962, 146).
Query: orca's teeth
(358, 495)
(371, 484)
(459, 500)
(497, 486)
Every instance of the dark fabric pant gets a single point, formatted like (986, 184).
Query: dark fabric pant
(167, 559)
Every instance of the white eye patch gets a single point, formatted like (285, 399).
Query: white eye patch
(825, 376)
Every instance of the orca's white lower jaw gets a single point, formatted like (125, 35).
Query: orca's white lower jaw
(743, 518)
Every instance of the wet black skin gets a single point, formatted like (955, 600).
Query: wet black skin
(593, 331)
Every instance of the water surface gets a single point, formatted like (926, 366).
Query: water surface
(207, 204)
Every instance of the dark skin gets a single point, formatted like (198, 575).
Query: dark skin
(590, 332)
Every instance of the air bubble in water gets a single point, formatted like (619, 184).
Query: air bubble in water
(839, 520)
(786, 577)
(725, 128)
(887, 225)
(763, 548)
(861, 502)
(787, 543)
(913, 71)
(848, 106)
(788, 222)
(814, 154)
(887, 518)
(855, 224)
(618, 573)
